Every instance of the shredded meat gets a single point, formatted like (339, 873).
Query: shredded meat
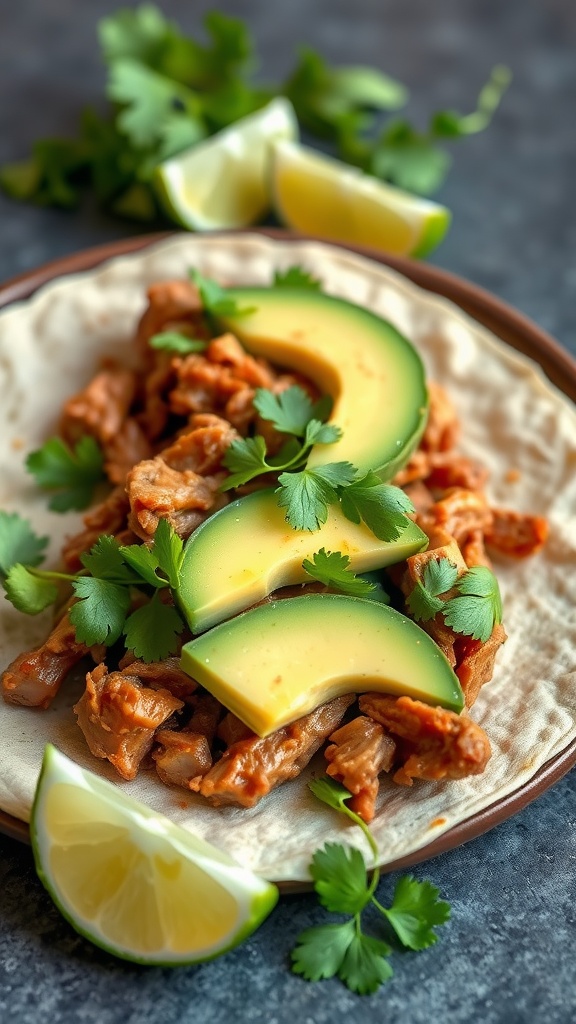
(172, 305)
(516, 534)
(231, 729)
(460, 512)
(184, 757)
(475, 662)
(119, 717)
(442, 427)
(35, 677)
(108, 517)
(433, 743)
(359, 751)
(123, 451)
(163, 675)
(250, 768)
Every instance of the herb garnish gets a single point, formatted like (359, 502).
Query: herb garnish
(104, 590)
(476, 608)
(173, 341)
(72, 473)
(333, 569)
(168, 91)
(340, 880)
(306, 492)
(296, 277)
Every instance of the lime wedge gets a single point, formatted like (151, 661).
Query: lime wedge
(224, 181)
(318, 195)
(132, 881)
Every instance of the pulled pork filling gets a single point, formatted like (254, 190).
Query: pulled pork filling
(164, 428)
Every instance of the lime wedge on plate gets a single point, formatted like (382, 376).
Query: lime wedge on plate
(318, 195)
(132, 881)
(224, 181)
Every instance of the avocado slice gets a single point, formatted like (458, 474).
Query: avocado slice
(372, 372)
(247, 550)
(277, 662)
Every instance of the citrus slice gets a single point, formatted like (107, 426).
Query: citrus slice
(224, 181)
(132, 881)
(319, 195)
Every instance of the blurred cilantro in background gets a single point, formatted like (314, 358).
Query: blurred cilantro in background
(169, 91)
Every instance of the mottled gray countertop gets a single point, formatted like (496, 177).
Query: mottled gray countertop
(507, 954)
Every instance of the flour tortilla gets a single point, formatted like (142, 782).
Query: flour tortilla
(512, 418)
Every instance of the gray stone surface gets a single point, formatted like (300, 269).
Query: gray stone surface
(507, 955)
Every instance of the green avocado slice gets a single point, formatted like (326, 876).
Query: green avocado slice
(373, 374)
(277, 662)
(247, 550)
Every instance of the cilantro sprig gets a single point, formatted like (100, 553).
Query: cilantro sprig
(167, 91)
(180, 344)
(333, 569)
(72, 474)
(104, 590)
(296, 277)
(473, 611)
(340, 879)
(307, 492)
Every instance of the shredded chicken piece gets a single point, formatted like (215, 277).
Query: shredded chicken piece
(126, 449)
(108, 517)
(231, 729)
(417, 468)
(163, 675)
(447, 470)
(202, 447)
(360, 750)
(250, 768)
(35, 677)
(515, 533)
(103, 405)
(184, 757)
(459, 512)
(172, 305)
(433, 743)
(474, 551)
(119, 717)
(475, 662)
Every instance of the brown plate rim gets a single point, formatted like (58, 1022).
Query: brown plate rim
(507, 323)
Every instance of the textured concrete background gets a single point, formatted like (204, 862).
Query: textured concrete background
(507, 955)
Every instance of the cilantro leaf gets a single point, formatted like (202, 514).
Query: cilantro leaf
(245, 458)
(148, 101)
(18, 542)
(439, 576)
(306, 495)
(140, 33)
(173, 341)
(335, 796)
(321, 433)
(296, 277)
(364, 967)
(29, 593)
(409, 159)
(106, 562)
(152, 631)
(72, 473)
(320, 951)
(382, 507)
(215, 299)
(143, 560)
(478, 608)
(332, 568)
(414, 912)
(339, 875)
(290, 411)
(99, 614)
(169, 550)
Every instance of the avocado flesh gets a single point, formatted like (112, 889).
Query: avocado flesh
(247, 550)
(277, 662)
(373, 374)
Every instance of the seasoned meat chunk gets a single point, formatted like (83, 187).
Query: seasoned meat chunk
(119, 717)
(250, 768)
(475, 662)
(433, 743)
(172, 305)
(516, 534)
(359, 751)
(442, 427)
(163, 675)
(184, 756)
(35, 677)
(101, 408)
(108, 517)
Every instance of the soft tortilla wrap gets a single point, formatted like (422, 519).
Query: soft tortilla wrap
(512, 418)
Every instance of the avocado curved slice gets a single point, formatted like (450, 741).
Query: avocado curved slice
(247, 550)
(373, 374)
(277, 662)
